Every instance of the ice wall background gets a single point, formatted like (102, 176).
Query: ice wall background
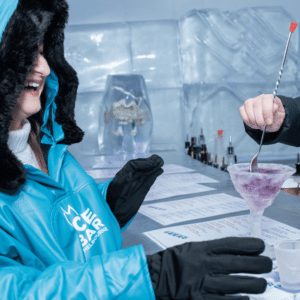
(199, 70)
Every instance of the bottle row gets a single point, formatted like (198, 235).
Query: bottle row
(220, 159)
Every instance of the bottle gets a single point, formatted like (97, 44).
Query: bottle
(296, 176)
(224, 166)
(187, 143)
(230, 154)
(204, 154)
(209, 161)
(201, 139)
(192, 151)
(297, 166)
(196, 148)
(219, 148)
(197, 152)
(215, 164)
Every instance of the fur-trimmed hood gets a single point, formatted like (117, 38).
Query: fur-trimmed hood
(24, 25)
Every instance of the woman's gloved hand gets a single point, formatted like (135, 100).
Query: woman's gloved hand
(130, 186)
(199, 270)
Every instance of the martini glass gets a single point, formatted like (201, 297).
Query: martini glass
(259, 191)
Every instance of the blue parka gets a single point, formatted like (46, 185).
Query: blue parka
(58, 236)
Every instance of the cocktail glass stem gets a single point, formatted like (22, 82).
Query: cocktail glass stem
(255, 226)
(255, 223)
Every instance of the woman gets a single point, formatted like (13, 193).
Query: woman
(60, 231)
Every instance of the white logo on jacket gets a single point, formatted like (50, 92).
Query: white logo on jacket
(87, 224)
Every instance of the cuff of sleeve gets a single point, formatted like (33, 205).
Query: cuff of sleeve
(124, 227)
(288, 132)
(256, 134)
(133, 278)
(103, 187)
(154, 265)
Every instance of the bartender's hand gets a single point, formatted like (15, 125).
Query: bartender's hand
(130, 186)
(256, 112)
(292, 191)
(200, 270)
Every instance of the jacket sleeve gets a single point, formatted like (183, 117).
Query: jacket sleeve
(103, 186)
(289, 132)
(123, 274)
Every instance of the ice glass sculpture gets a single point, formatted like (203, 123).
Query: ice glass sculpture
(259, 191)
(125, 116)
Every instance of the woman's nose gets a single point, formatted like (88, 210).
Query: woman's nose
(41, 65)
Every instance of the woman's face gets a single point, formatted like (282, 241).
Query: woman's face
(29, 102)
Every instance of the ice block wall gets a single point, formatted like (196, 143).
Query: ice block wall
(151, 49)
(198, 70)
(228, 58)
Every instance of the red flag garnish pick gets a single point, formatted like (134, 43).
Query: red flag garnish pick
(293, 26)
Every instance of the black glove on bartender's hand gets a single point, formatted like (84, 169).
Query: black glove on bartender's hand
(130, 186)
(199, 270)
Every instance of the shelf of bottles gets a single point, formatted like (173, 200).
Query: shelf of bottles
(221, 159)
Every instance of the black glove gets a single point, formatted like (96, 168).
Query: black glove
(130, 186)
(199, 270)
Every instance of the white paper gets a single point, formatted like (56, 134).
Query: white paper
(172, 169)
(274, 290)
(171, 212)
(103, 173)
(178, 184)
(110, 164)
(291, 183)
(169, 189)
(106, 173)
(186, 178)
(272, 231)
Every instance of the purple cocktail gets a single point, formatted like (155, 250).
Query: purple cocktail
(259, 189)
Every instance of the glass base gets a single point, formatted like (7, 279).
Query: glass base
(269, 251)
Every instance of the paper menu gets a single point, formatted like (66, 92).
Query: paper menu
(291, 183)
(171, 212)
(274, 290)
(170, 189)
(185, 178)
(108, 173)
(103, 173)
(272, 231)
(172, 169)
(111, 163)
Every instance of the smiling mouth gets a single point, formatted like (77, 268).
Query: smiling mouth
(30, 88)
(33, 90)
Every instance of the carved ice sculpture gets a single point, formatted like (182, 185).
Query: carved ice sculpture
(127, 116)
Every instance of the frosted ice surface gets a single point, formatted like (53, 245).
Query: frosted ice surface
(244, 46)
(168, 122)
(87, 108)
(155, 53)
(199, 63)
(96, 51)
(219, 58)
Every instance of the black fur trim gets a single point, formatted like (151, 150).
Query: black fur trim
(34, 22)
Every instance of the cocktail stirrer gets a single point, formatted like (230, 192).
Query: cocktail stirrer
(253, 164)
